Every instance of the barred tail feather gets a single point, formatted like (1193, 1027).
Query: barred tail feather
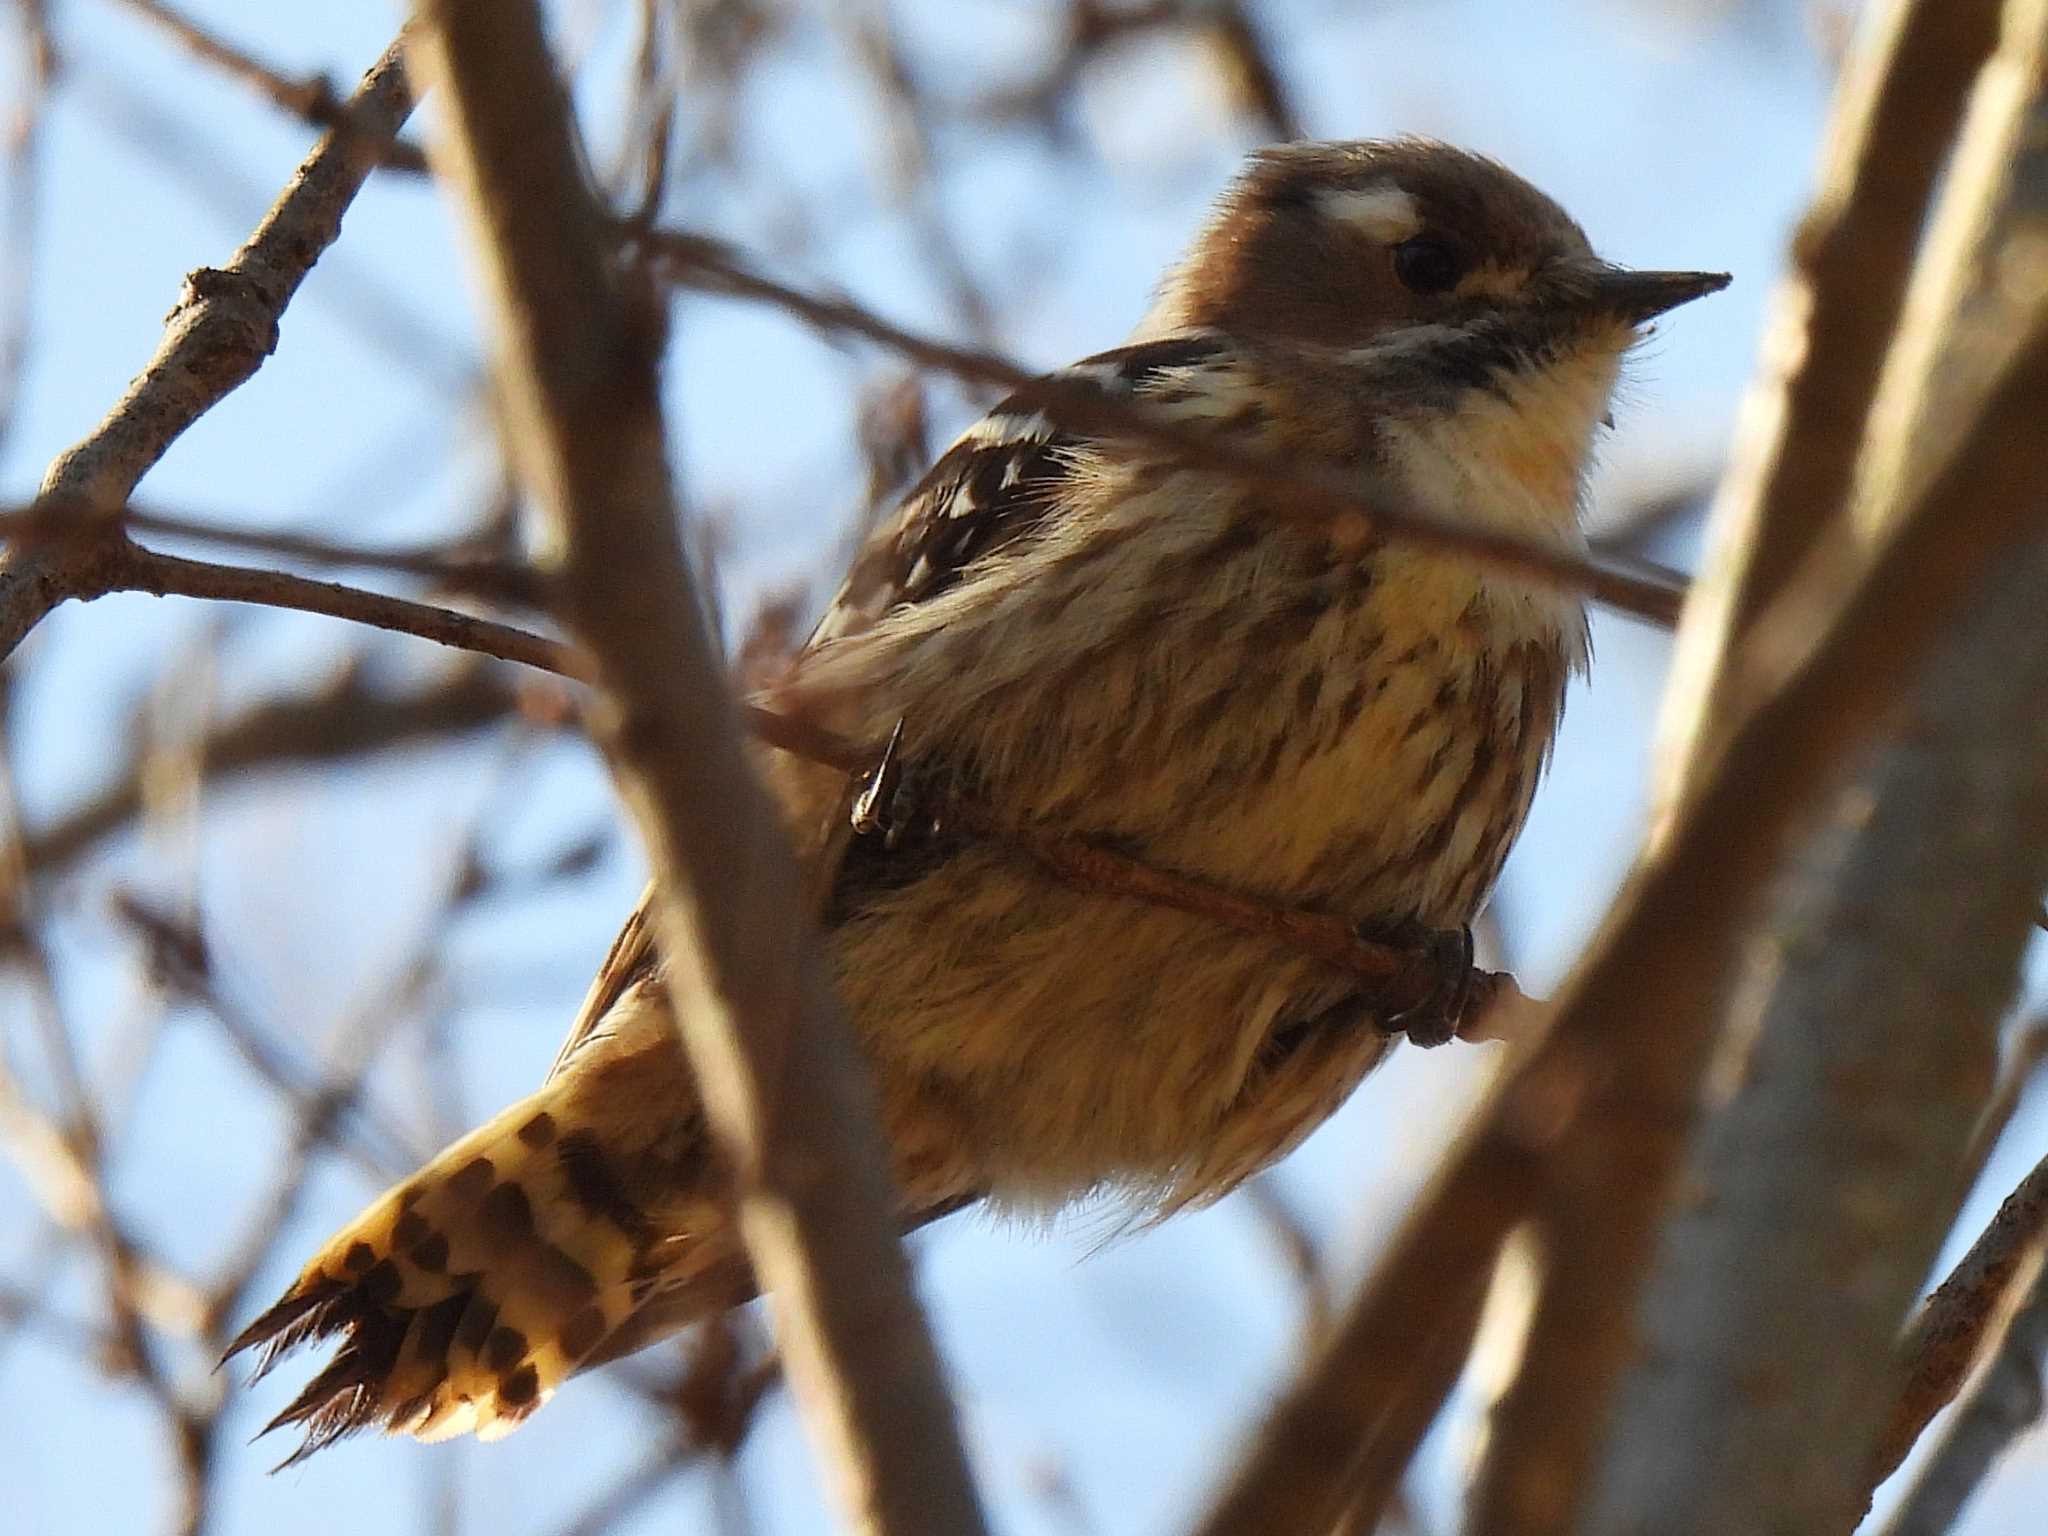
(465, 1295)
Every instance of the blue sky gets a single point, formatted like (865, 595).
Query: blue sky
(1679, 135)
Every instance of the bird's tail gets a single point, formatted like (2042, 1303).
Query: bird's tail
(465, 1295)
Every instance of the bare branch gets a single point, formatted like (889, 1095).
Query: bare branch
(2005, 1404)
(1900, 97)
(1945, 1340)
(1353, 504)
(1858, 1054)
(782, 1085)
(312, 99)
(1604, 1091)
(223, 327)
(1602, 1208)
(124, 567)
(454, 567)
(1857, 1065)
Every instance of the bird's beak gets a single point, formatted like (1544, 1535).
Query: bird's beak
(1639, 296)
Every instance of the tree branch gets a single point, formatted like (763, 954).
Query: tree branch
(2005, 1403)
(1607, 1088)
(1943, 1342)
(782, 1084)
(1860, 1056)
(125, 567)
(1348, 505)
(1901, 94)
(224, 326)
(1603, 1207)
(1823, 1186)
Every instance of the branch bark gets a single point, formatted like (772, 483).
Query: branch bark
(1603, 1211)
(2005, 1403)
(224, 326)
(1942, 1344)
(1901, 95)
(1594, 1113)
(1856, 1065)
(577, 356)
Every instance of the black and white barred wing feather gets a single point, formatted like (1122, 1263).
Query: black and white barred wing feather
(1004, 480)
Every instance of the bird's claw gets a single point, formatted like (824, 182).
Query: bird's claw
(1434, 1018)
(876, 807)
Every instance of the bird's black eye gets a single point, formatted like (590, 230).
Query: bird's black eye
(1427, 265)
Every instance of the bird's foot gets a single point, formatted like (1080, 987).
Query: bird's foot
(878, 807)
(1434, 1018)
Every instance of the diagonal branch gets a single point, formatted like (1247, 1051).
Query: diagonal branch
(1858, 1053)
(1942, 1343)
(124, 567)
(310, 98)
(224, 326)
(1914, 544)
(783, 1087)
(1337, 504)
(1901, 96)
(1627, 1037)
(2005, 1404)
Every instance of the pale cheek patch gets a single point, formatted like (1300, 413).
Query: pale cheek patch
(1490, 281)
(1385, 214)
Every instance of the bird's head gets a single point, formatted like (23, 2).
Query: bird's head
(1347, 244)
(1471, 303)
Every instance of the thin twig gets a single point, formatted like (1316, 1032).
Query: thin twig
(56, 522)
(2003, 1406)
(1352, 504)
(223, 327)
(312, 99)
(1946, 1338)
(123, 567)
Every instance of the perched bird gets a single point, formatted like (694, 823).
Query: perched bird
(1092, 636)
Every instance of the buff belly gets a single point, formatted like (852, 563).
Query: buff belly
(1373, 758)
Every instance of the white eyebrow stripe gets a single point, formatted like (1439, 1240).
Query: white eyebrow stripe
(1385, 213)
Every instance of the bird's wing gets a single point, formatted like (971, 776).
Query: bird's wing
(1000, 482)
(632, 958)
